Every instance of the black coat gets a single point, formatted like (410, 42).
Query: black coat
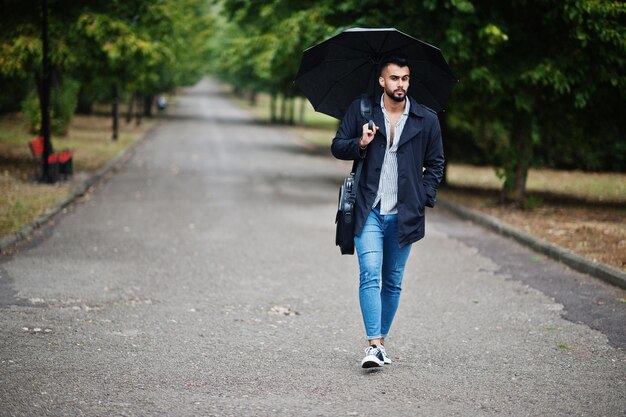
(420, 165)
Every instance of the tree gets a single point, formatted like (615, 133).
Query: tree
(146, 47)
(112, 48)
(21, 57)
(21, 53)
(535, 75)
(260, 43)
(545, 55)
(525, 67)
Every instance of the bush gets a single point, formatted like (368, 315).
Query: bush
(32, 111)
(63, 102)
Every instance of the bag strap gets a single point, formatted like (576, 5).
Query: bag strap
(357, 166)
(368, 114)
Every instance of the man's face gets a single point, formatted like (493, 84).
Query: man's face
(395, 81)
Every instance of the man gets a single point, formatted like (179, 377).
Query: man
(402, 159)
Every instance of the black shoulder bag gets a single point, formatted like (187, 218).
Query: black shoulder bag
(344, 236)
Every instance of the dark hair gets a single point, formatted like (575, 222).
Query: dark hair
(398, 60)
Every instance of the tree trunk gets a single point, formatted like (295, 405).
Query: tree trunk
(147, 105)
(292, 111)
(85, 104)
(129, 111)
(283, 110)
(139, 113)
(273, 108)
(302, 110)
(44, 100)
(514, 188)
(115, 111)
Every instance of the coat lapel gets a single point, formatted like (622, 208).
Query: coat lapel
(413, 124)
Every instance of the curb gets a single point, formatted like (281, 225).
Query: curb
(81, 189)
(604, 272)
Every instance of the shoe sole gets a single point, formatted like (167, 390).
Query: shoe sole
(372, 362)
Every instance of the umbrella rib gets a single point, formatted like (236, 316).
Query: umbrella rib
(435, 99)
(337, 81)
(330, 61)
(383, 45)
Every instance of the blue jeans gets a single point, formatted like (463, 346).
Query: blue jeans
(380, 255)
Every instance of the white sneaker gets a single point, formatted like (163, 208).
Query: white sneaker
(386, 358)
(373, 357)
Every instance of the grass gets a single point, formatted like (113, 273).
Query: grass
(22, 201)
(600, 187)
(89, 137)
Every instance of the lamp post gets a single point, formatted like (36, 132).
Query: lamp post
(46, 175)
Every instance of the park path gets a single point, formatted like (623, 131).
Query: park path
(202, 280)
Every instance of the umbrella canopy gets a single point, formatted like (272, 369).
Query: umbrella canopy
(335, 72)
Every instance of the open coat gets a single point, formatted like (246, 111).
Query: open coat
(420, 165)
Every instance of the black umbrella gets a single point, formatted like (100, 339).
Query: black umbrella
(335, 72)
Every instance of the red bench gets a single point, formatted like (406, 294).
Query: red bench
(60, 163)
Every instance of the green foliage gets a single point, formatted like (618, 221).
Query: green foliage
(20, 54)
(32, 110)
(259, 41)
(63, 101)
(126, 46)
(540, 83)
(145, 46)
(558, 65)
(532, 202)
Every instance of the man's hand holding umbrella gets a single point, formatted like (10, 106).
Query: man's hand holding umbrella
(368, 135)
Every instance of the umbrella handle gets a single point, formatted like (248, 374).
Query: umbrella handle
(366, 110)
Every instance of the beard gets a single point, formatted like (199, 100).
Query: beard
(392, 95)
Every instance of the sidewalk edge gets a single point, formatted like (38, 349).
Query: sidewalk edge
(576, 262)
(8, 242)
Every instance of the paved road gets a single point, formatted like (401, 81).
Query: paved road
(202, 280)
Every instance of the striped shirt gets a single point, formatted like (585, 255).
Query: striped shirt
(388, 185)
